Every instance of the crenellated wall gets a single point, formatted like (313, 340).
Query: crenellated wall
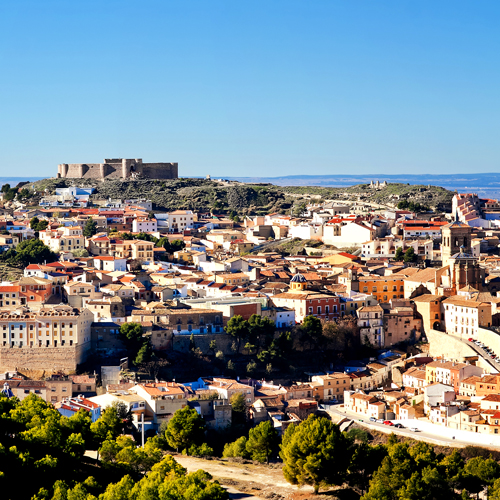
(118, 168)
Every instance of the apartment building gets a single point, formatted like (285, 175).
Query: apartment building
(464, 317)
(371, 324)
(63, 239)
(450, 373)
(58, 326)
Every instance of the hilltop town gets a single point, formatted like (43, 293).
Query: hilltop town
(387, 314)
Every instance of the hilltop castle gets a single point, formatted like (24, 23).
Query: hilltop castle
(118, 168)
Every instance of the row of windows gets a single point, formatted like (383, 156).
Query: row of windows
(13, 334)
(40, 343)
(385, 289)
(327, 310)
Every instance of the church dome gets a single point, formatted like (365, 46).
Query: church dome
(298, 278)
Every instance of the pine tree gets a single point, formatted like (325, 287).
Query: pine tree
(315, 452)
(90, 228)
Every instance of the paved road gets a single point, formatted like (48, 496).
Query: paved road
(432, 437)
(480, 351)
(483, 354)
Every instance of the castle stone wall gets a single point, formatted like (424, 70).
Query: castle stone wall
(117, 168)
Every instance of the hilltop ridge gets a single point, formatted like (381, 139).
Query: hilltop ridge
(247, 199)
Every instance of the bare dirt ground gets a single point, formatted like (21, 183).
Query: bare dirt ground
(246, 480)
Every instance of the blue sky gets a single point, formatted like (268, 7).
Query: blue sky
(261, 88)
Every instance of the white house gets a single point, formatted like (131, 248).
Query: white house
(351, 234)
(175, 222)
(144, 225)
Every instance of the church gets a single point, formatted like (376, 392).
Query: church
(460, 268)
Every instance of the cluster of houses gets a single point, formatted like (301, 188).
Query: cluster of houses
(224, 268)
(460, 396)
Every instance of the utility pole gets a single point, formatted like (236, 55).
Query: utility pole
(142, 428)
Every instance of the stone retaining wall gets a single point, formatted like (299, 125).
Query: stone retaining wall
(55, 359)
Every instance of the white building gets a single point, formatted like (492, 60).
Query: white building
(175, 222)
(306, 231)
(350, 234)
(144, 225)
(63, 239)
(464, 317)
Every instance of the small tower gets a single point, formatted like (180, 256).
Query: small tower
(455, 235)
(298, 283)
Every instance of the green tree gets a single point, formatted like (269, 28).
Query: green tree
(365, 460)
(238, 328)
(237, 448)
(81, 252)
(230, 366)
(251, 368)
(410, 255)
(299, 209)
(480, 473)
(262, 440)
(144, 354)
(212, 346)
(261, 330)
(124, 451)
(33, 252)
(239, 409)
(315, 452)
(90, 228)
(34, 223)
(184, 429)
(411, 473)
(311, 330)
(399, 254)
(494, 492)
(109, 425)
(131, 335)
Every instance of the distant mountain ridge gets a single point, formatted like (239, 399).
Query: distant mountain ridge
(479, 181)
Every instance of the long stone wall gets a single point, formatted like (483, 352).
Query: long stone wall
(55, 359)
(444, 345)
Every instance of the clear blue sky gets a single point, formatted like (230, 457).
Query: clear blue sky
(249, 87)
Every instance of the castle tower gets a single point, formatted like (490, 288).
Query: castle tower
(454, 236)
(298, 283)
(126, 168)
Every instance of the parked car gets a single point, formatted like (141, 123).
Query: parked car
(388, 422)
(471, 340)
(373, 419)
(414, 429)
(380, 421)
(399, 426)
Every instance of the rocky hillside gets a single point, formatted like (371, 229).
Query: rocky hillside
(435, 197)
(206, 195)
(191, 194)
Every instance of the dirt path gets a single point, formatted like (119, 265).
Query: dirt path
(247, 481)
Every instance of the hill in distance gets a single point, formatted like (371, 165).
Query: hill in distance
(204, 195)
